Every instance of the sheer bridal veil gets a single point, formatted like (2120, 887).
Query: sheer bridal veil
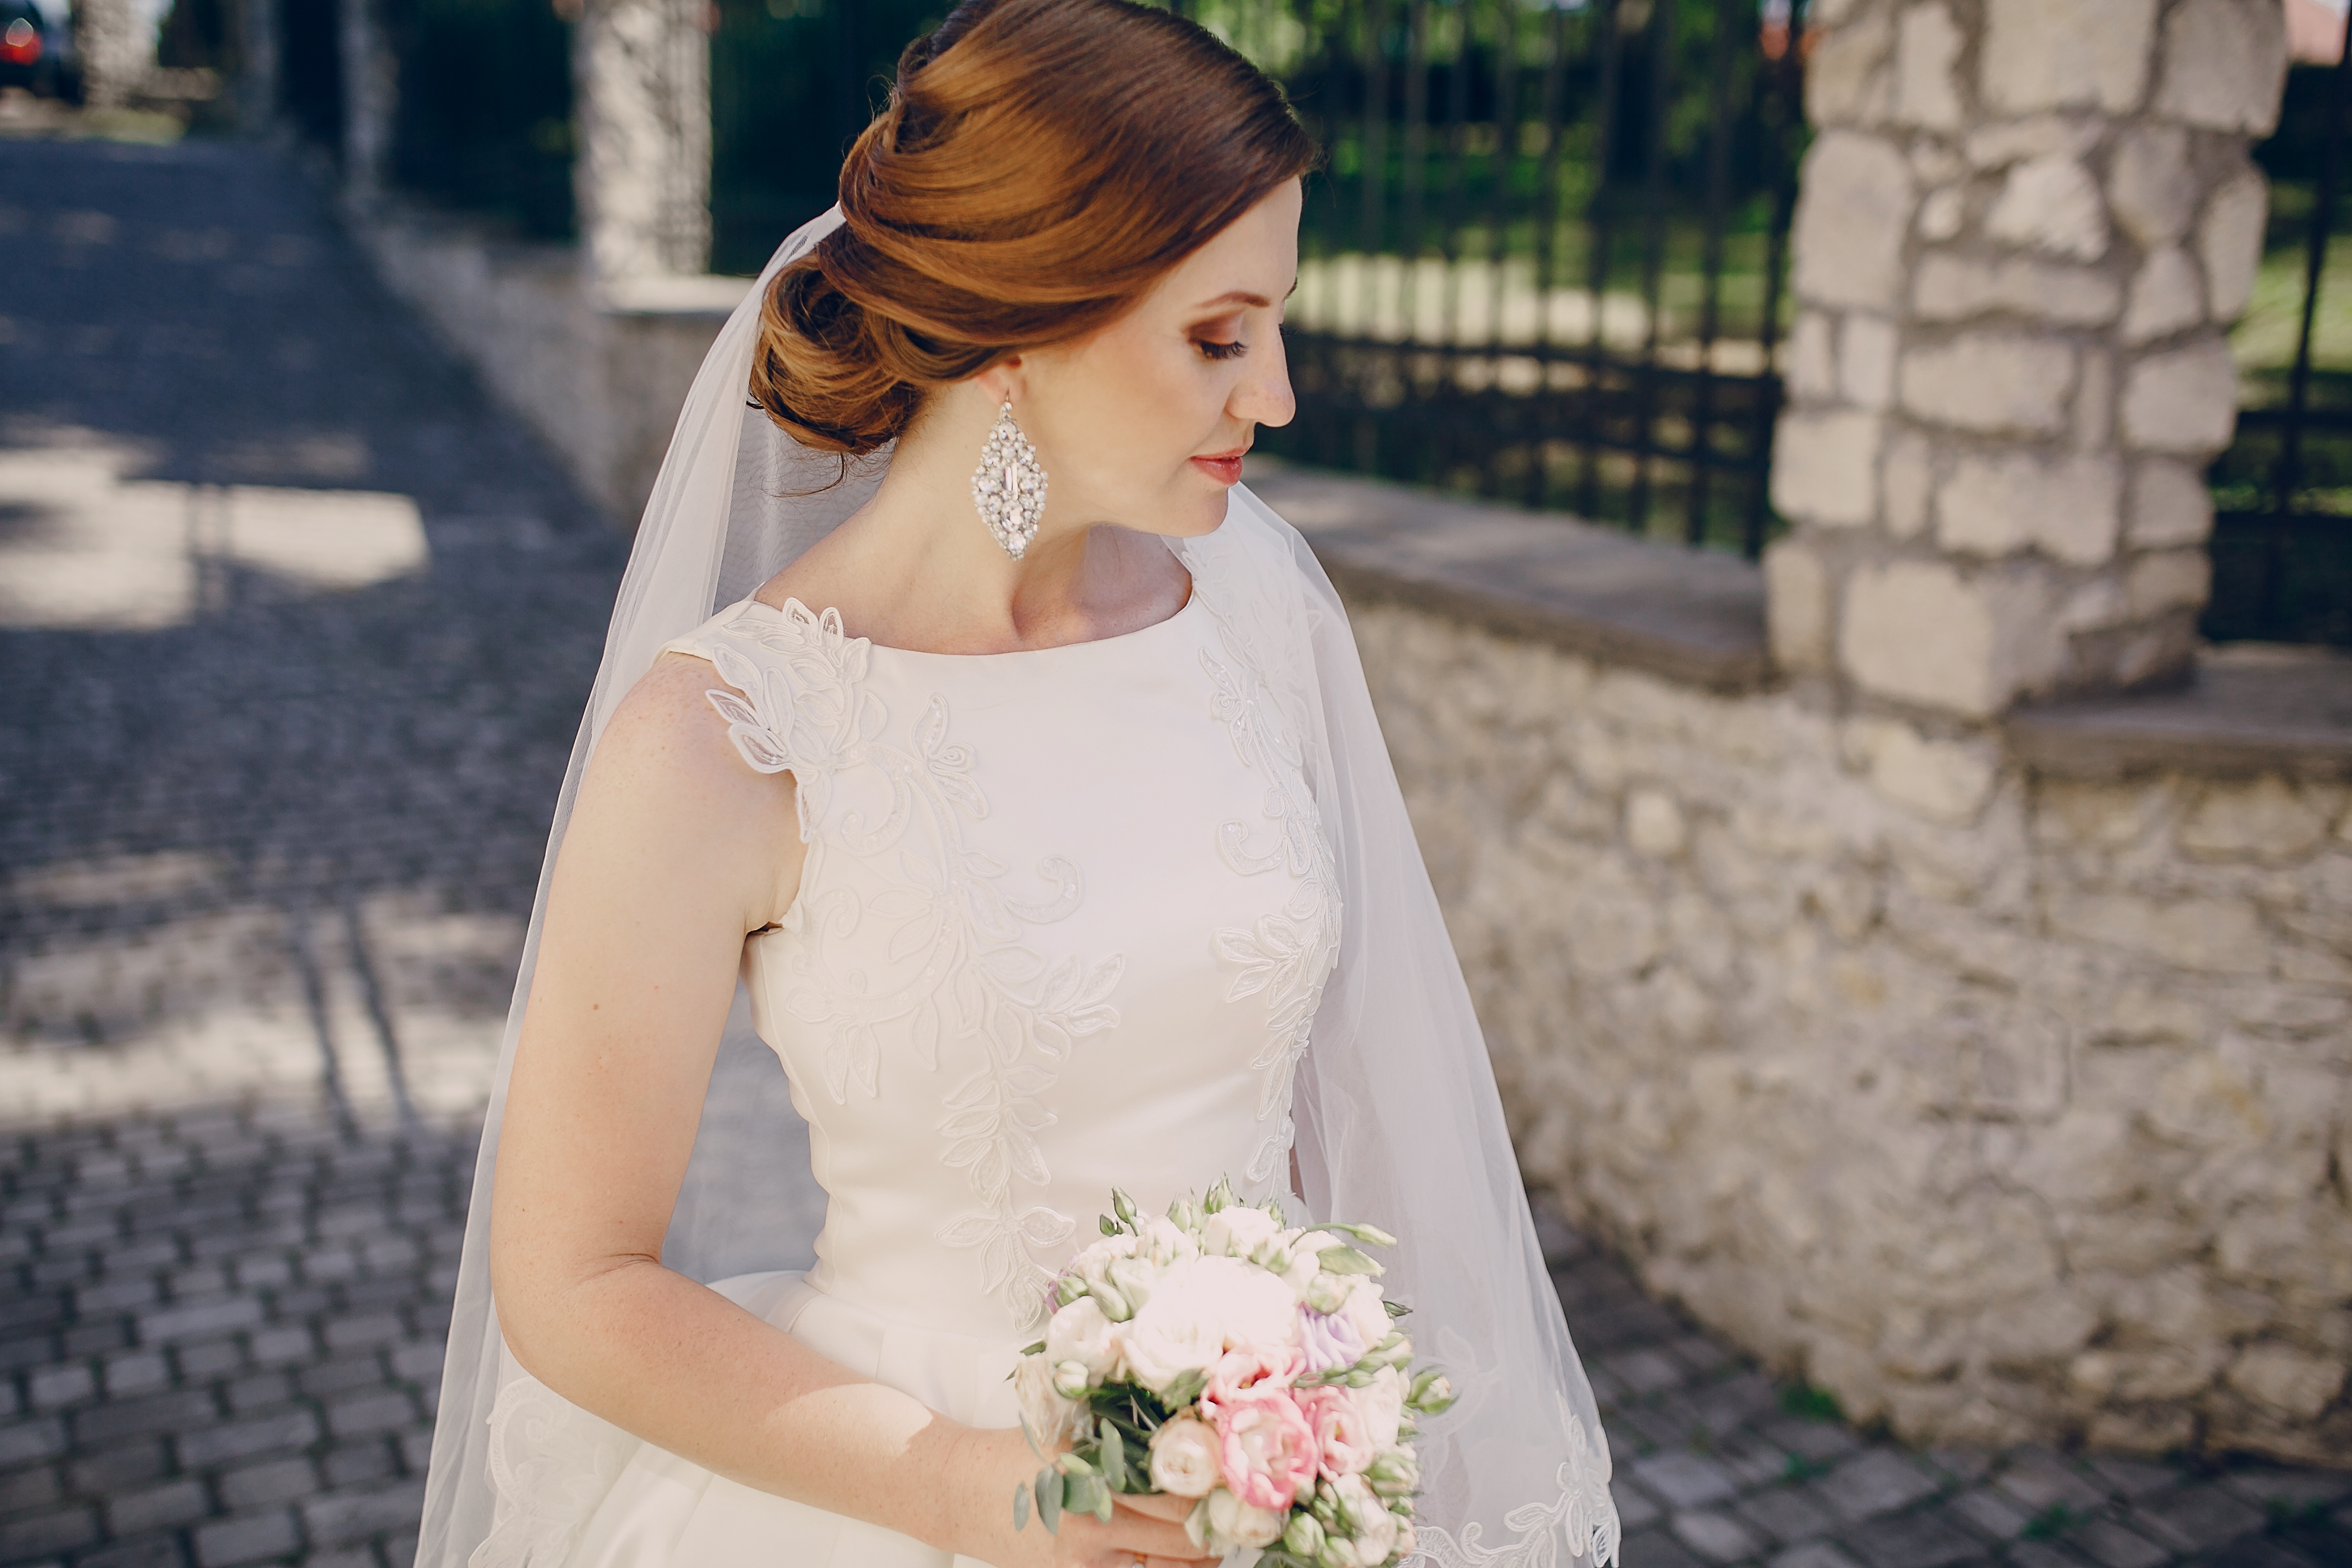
(1398, 1122)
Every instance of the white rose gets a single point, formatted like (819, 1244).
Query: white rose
(1305, 1251)
(1370, 1522)
(1382, 1405)
(1169, 1242)
(1237, 1232)
(1364, 1311)
(1199, 1311)
(1050, 1418)
(1095, 1259)
(1080, 1332)
(1232, 1522)
(1184, 1457)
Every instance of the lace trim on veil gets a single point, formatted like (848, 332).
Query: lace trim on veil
(1581, 1522)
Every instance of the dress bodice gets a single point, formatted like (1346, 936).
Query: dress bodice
(1063, 921)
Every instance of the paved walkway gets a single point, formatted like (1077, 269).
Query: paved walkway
(294, 633)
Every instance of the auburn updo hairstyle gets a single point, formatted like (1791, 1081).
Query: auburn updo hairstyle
(1040, 164)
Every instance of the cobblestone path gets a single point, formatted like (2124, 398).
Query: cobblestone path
(294, 634)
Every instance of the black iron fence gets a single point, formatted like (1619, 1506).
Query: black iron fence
(2282, 523)
(1546, 260)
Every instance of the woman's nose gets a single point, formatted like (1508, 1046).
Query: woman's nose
(1264, 396)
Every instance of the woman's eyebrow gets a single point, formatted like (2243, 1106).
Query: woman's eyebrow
(1243, 297)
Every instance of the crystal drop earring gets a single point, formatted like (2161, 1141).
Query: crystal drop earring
(1008, 487)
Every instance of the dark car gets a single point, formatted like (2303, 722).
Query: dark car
(35, 52)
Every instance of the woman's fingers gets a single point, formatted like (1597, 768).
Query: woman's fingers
(1158, 1505)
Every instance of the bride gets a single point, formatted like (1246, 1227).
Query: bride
(1028, 780)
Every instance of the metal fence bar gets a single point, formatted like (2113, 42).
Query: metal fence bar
(2288, 477)
(1781, 97)
(1710, 322)
(1598, 237)
(1654, 259)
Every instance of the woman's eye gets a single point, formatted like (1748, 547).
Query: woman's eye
(1214, 350)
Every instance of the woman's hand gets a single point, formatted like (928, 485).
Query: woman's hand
(1142, 1530)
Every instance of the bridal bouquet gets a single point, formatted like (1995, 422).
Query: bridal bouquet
(1218, 1353)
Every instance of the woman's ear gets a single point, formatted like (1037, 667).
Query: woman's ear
(1004, 381)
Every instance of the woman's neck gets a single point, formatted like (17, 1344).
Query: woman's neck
(916, 568)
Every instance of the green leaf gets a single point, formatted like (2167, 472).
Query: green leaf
(1049, 1500)
(1109, 1226)
(1114, 1457)
(1037, 1349)
(1020, 1507)
(1184, 1388)
(1395, 1308)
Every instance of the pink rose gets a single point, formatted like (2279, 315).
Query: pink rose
(1270, 1448)
(1343, 1436)
(1234, 1372)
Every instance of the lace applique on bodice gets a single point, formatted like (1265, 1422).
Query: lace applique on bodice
(1063, 921)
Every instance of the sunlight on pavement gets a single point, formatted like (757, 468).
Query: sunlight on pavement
(84, 547)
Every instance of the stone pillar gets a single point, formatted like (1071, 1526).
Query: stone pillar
(117, 48)
(257, 68)
(643, 175)
(2019, 235)
(371, 97)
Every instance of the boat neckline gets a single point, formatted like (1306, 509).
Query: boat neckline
(1191, 599)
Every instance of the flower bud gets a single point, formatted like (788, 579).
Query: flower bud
(1133, 1279)
(1327, 1293)
(1068, 1288)
(1114, 1305)
(1221, 1196)
(1070, 1378)
(1303, 1536)
(1185, 1212)
(1432, 1391)
(1395, 1473)
(1123, 1206)
(1338, 1552)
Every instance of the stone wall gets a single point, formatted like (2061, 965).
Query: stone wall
(2001, 1106)
(599, 371)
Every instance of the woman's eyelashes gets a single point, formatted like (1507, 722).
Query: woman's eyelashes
(1222, 350)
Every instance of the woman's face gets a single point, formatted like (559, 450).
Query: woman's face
(1143, 424)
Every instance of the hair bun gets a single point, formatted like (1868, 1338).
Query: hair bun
(1040, 164)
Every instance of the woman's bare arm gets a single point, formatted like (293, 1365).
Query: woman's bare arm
(676, 850)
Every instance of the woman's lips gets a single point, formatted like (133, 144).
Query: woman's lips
(1225, 470)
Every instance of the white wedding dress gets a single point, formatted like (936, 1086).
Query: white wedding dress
(1065, 918)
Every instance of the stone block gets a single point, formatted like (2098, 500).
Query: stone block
(2207, 936)
(2166, 578)
(1943, 213)
(2288, 1383)
(1826, 467)
(1910, 482)
(2166, 297)
(2183, 400)
(1927, 49)
(1948, 781)
(2050, 204)
(1866, 361)
(2094, 417)
(1797, 606)
(1654, 824)
(1948, 288)
(1992, 382)
(1847, 81)
(1853, 210)
(2151, 189)
(2230, 243)
(2061, 54)
(1920, 632)
(2267, 820)
(1812, 358)
(2224, 65)
(2069, 507)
